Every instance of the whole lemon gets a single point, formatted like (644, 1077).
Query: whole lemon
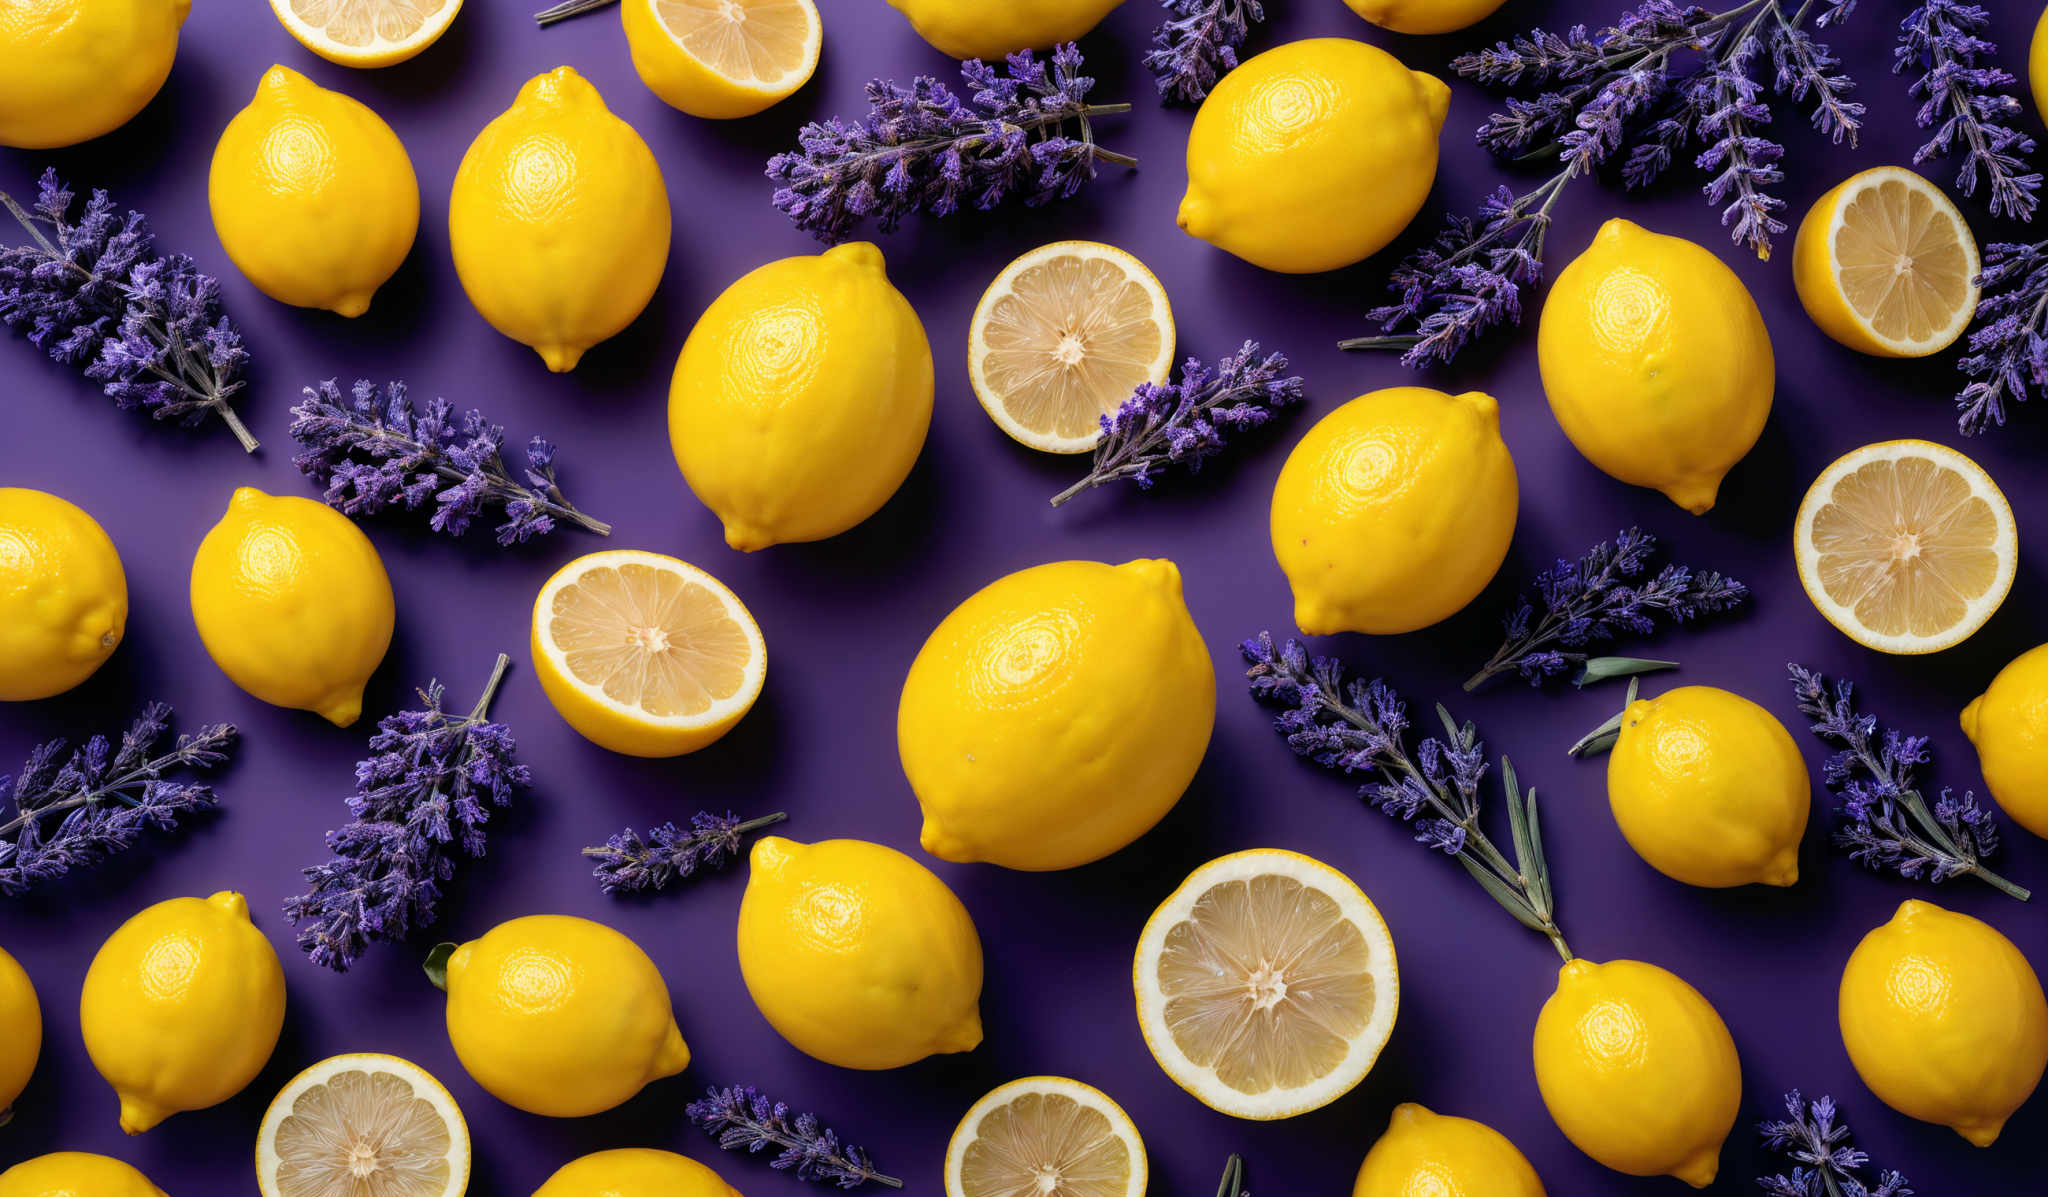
(1638, 1070)
(801, 398)
(313, 196)
(1656, 362)
(560, 1016)
(2037, 63)
(1424, 16)
(1944, 1019)
(21, 1032)
(1057, 714)
(63, 595)
(857, 954)
(292, 603)
(559, 220)
(71, 70)
(1394, 511)
(1312, 155)
(182, 1007)
(635, 1172)
(1424, 1154)
(2008, 725)
(1709, 788)
(974, 29)
(75, 1174)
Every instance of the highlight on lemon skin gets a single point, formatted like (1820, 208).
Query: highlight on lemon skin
(1424, 16)
(972, 29)
(1885, 264)
(63, 595)
(73, 70)
(1046, 1134)
(75, 1174)
(2008, 726)
(21, 1033)
(1423, 1152)
(635, 1172)
(725, 60)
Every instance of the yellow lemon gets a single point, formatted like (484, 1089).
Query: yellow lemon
(292, 603)
(857, 954)
(1424, 16)
(559, 220)
(313, 196)
(2008, 725)
(1886, 265)
(182, 1007)
(635, 1172)
(1394, 511)
(729, 59)
(1423, 1154)
(71, 70)
(1944, 1019)
(801, 398)
(1656, 362)
(1047, 1135)
(21, 1032)
(2037, 63)
(1057, 714)
(365, 1125)
(1312, 155)
(63, 595)
(366, 33)
(1638, 1070)
(75, 1174)
(973, 29)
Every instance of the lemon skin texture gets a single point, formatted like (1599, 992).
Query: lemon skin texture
(1709, 789)
(182, 1007)
(1057, 714)
(1638, 1070)
(635, 1172)
(21, 1032)
(1312, 155)
(1394, 511)
(313, 196)
(561, 1016)
(1424, 16)
(801, 398)
(2008, 725)
(2037, 63)
(858, 955)
(973, 29)
(292, 603)
(63, 595)
(1656, 362)
(686, 84)
(75, 1174)
(559, 220)
(71, 70)
(1425, 1154)
(1944, 1020)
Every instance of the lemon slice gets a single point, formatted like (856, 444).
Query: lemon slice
(363, 1125)
(723, 58)
(366, 33)
(1266, 984)
(1885, 264)
(1046, 1136)
(1062, 338)
(1906, 546)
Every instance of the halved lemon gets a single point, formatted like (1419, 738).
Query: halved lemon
(363, 1125)
(1886, 265)
(1062, 338)
(1906, 546)
(366, 33)
(1266, 984)
(1046, 1136)
(723, 58)
(645, 654)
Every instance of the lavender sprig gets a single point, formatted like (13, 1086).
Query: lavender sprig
(2008, 358)
(1823, 1162)
(1967, 105)
(667, 854)
(1884, 823)
(1354, 726)
(1198, 44)
(743, 1120)
(1187, 422)
(424, 795)
(923, 149)
(376, 448)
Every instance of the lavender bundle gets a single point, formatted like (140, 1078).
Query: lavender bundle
(628, 862)
(1823, 1162)
(1198, 44)
(743, 1120)
(2008, 358)
(1968, 105)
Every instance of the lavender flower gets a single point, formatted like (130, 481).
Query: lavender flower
(1823, 1162)
(2008, 356)
(923, 149)
(1968, 105)
(101, 798)
(379, 449)
(1198, 44)
(670, 853)
(96, 294)
(743, 1120)
(425, 794)
(1883, 821)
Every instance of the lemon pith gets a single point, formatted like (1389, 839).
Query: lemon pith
(1423, 1153)
(366, 33)
(1046, 1134)
(970, 29)
(722, 58)
(2008, 726)
(367, 1124)
(1886, 265)
(72, 70)
(75, 1174)
(21, 1033)
(634, 1172)
(63, 595)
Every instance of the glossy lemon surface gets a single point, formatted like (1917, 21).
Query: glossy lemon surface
(1426, 1154)
(2008, 725)
(976, 29)
(71, 70)
(635, 1172)
(63, 595)
(75, 1174)
(1424, 16)
(21, 1032)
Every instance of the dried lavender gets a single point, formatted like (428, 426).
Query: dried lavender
(1967, 105)
(567, 9)
(1187, 422)
(627, 862)
(1823, 1162)
(923, 149)
(1197, 45)
(100, 798)
(1355, 726)
(376, 449)
(2008, 358)
(743, 1120)
(96, 294)
(424, 794)
(1884, 823)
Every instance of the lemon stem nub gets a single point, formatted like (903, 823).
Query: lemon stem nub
(1602, 738)
(437, 964)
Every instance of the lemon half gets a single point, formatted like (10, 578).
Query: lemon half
(1886, 265)
(366, 33)
(1046, 1135)
(723, 58)
(363, 1125)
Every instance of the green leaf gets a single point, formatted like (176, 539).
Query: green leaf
(1518, 823)
(437, 964)
(1539, 867)
(1602, 738)
(1599, 669)
(1232, 1184)
(1515, 903)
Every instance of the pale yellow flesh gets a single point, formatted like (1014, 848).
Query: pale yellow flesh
(362, 1134)
(1901, 262)
(1069, 343)
(749, 41)
(1907, 546)
(358, 24)
(650, 639)
(1045, 1145)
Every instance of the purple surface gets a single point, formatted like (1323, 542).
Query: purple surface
(843, 619)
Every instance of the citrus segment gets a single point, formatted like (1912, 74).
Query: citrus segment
(363, 1125)
(1046, 1136)
(766, 43)
(1886, 265)
(366, 33)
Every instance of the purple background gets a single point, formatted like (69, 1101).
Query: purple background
(843, 619)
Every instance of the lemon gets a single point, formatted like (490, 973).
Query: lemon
(1057, 714)
(1885, 264)
(71, 70)
(1945, 1020)
(635, 1172)
(313, 196)
(2008, 725)
(75, 1174)
(363, 1124)
(1048, 1135)
(801, 398)
(560, 1016)
(21, 1032)
(292, 603)
(182, 1007)
(2037, 63)
(1424, 1153)
(63, 595)
(974, 29)
(366, 33)
(1656, 362)
(725, 59)
(857, 954)
(1394, 511)
(1312, 155)
(559, 220)
(1424, 16)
